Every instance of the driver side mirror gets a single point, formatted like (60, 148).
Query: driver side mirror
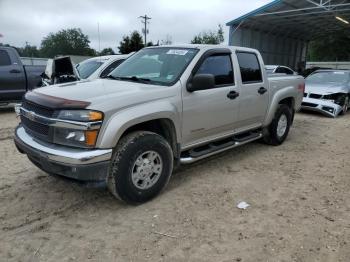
(201, 82)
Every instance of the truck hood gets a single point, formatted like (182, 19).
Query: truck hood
(105, 93)
(326, 88)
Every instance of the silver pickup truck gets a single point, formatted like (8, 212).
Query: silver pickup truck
(162, 107)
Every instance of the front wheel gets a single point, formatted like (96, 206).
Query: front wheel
(278, 130)
(141, 166)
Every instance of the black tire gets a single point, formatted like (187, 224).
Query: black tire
(129, 148)
(271, 136)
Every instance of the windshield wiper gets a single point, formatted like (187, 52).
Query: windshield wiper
(113, 77)
(131, 78)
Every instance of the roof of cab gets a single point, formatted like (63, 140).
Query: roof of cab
(204, 47)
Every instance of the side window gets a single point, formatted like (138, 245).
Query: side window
(111, 67)
(220, 66)
(4, 58)
(250, 67)
(280, 70)
(288, 71)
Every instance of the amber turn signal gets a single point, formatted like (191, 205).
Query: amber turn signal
(95, 116)
(91, 137)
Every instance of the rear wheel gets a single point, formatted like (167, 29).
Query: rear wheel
(278, 130)
(141, 167)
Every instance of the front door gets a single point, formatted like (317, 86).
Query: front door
(211, 113)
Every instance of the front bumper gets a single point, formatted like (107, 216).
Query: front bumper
(80, 164)
(325, 107)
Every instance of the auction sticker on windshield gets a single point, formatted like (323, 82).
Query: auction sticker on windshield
(177, 52)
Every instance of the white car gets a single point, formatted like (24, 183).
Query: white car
(327, 92)
(62, 70)
(278, 69)
(99, 67)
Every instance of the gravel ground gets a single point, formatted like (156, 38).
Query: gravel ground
(298, 192)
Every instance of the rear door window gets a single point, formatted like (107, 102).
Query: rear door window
(280, 70)
(284, 70)
(220, 66)
(4, 58)
(250, 67)
(288, 71)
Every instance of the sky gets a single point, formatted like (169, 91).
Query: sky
(30, 21)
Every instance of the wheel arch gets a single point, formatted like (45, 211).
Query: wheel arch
(163, 120)
(283, 96)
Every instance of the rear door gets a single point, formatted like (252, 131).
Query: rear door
(254, 97)
(211, 113)
(12, 77)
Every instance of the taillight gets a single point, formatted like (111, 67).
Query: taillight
(301, 87)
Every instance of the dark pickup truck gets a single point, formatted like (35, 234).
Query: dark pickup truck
(16, 78)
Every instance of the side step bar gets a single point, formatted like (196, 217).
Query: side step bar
(213, 149)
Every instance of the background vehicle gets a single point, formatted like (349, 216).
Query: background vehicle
(163, 106)
(99, 67)
(278, 69)
(309, 71)
(327, 92)
(15, 78)
(59, 70)
(62, 70)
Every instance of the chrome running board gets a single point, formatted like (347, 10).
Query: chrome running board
(213, 149)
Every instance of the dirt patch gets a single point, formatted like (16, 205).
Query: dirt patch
(299, 195)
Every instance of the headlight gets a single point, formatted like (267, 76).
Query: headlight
(329, 100)
(77, 137)
(80, 115)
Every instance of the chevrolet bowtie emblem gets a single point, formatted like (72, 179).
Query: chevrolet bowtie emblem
(31, 115)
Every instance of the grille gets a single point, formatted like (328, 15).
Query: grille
(34, 128)
(308, 104)
(317, 96)
(38, 109)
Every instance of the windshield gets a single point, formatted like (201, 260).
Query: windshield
(86, 68)
(328, 77)
(160, 65)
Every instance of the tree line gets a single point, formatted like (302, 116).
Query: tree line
(73, 41)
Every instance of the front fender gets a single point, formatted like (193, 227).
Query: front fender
(119, 122)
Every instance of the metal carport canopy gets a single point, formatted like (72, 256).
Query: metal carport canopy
(282, 29)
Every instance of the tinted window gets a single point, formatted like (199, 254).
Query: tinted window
(284, 70)
(289, 72)
(111, 67)
(220, 66)
(250, 67)
(281, 70)
(4, 58)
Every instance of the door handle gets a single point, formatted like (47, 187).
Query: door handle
(15, 71)
(262, 90)
(232, 95)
